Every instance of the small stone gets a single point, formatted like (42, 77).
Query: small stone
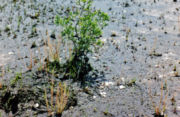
(10, 53)
(178, 108)
(161, 76)
(122, 87)
(113, 34)
(108, 83)
(103, 94)
(71, 107)
(122, 80)
(94, 57)
(157, 66)
(36, 105)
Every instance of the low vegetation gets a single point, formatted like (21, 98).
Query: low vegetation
(58, 103)
(53, 76)
(83, 27)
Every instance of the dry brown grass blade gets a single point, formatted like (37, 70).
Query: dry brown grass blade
(45, 48)
(157, 111)
(57, 100)
(57, 49)
(62, 98)
(161, 96)
(19, 56)
(31, 61)
(50, 46)
(164, 102)
(52, 93)
(153, 103)
(46, 100)
(41, 67)
(2, 77)
(1, 85)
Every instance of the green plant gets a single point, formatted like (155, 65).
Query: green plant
(17, 78)
(19, 21)
(61, 99)
(83, 26)
(2, 74)
(131, 82)
(107, 110)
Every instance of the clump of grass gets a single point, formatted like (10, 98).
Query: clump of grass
(58, 103)
(18, 77)
(160, 107)
(53, 56)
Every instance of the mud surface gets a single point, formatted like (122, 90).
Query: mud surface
(140, 52)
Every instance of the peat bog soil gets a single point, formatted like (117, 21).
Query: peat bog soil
(141, 52)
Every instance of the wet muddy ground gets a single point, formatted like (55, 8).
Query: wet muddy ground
(140, 53)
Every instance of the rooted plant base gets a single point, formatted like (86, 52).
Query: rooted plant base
(78, 68)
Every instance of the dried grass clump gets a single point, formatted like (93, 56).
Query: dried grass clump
(161, 106)
(57, 104)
